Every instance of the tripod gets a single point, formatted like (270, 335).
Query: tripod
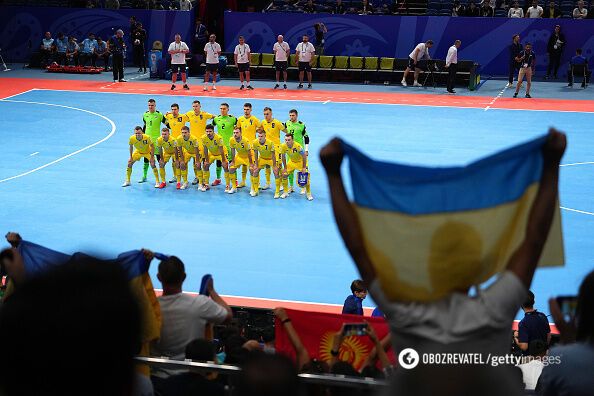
(3, 63)
(431, 66)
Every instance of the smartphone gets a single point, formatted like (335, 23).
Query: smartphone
(568, 305)
(355, 329)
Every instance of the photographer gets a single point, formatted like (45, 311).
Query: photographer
(534, 326)
(452, 65)
(320, 31)
(527, 60)
(139, 38)
(421, 51)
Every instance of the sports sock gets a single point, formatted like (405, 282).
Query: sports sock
(286, 185)
(267, 171)
(291, 179)
(128, 173)
(178, 175)
(277, 182)
(233, 177)
(243, 173)
(308, 187)
(163, 175)
(199, 176)
(219, 169)
(206, 177)
(184, 175)
(226, 178)
(145, 170)
(254, 184)
(156, 173)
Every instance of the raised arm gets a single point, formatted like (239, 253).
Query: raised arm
(524, 260)
(302, 355)
(344, 214)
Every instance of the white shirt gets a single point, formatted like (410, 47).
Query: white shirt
(452, 56)
(530, 373)
(515, 13)
(242, 52)
(305, 51)
(534, 12)
(577, 12)
(185, 5)
(180, 57)
(212, 52)
(280, 51)
(423, 51)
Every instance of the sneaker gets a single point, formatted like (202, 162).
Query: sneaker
(178, 186)
(205, 89)
(242, 87)
(250, 87)
(583, 85)
(227, 188)
(126, 183)
(509, 85)
(308, 86)
(404, 84)
(195, 181)
(276, 86)
(309, 197)
(241, 185)
(300, 86)
(184, 186)
(122, 80)
(157, 185)
(253, 193)
(570, 85)
(140, 70)
(528, 96)
(143, 180)
(515, 95)
(162, 185)
(291, 190)
(416, 84)
(216, 182)
(174, 180)
(172, 87)
(115, 81)
(302, 192)
(204, 187)
(284, 195)
(452, 91)
(266, 187)
(186, 87)
(276, 195)
(214, 88)
(284, 86)
(232, 191)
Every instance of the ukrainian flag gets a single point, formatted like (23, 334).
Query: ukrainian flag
(430, 231)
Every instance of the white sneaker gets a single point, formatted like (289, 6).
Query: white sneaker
(302, 192)
(214, 88)
(509, 85)
(232, 191)
(276, 195)
(416, 84)
(309, 197)
(202, 188)
(266, 187)
(253, 193)
(226, 189)
(205, 89)
(291, 190)
(404, 84)
(195, 181)
(284, 195)
(157, 185)
(184, 186)
(126, 183)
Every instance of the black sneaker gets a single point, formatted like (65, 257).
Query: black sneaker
(140, 70)
(451, 91)
(515, 95)
(528, 96)
(172, 87)
(309, 86)
(583, 85)
(570, 85)
(300, 86)
(144, 71)
(186, 87)
(241, 87)
(284, 86)
(250, 87)
(276, 86)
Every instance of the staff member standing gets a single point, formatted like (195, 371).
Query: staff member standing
(139, 38)
(305, 53)
(555, 48)
(118, 49)
(212, 50)
(421, 51)
(527, 59)
(178, 50)
(282, 51)
(452, 65)
(242, 62)
(514, 52)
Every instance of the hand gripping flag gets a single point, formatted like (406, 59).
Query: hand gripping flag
(430, 231)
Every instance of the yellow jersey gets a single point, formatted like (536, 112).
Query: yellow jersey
(242, 148)
(198, 122)
(143, 146)
(176, 123)
(273, 129)
(265, 150)
(213, 145)
(294, 153)
(248, 127)
(189, 145)
(167, 147)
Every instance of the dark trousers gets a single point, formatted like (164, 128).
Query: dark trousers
(72, 59)
(514, 67)
(84, 58)
(105, 58)
(118, 66)
(585, 80)
(554, 60)
(61, 58)
(139, 58)
(452, 76)
(46, 57)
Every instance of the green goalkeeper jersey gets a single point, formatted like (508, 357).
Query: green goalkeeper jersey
(152, 124)
(225, 125)
(298, 130)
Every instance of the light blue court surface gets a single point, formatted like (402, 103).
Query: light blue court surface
(258, 247)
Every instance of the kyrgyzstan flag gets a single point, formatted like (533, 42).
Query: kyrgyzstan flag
(316, 330)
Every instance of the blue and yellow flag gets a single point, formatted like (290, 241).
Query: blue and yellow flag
(430, 231)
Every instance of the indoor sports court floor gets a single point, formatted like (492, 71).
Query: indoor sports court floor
(65, 152)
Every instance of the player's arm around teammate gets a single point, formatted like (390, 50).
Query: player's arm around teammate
(141, 146)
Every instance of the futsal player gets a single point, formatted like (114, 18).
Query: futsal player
(198, 119)
(188, 148)
(297, 128)
(241, 156)
(176, 120)
(214, 150)
(141, 146)
(248, 124)
(165, 148)
(152, 119)
(225, 124)
(264, 158)
(273, 128)
(294, 158)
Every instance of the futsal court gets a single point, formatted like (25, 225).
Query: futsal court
(66, 148)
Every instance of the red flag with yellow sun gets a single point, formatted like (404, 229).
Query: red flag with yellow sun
(316, 330)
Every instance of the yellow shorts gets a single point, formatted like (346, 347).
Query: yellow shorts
(295, 166)
(166, 157)
(188, 157)
(239, 160)
(262, 162)
(212, 158)
(138, 155)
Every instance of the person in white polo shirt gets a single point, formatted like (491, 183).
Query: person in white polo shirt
(242, 62)
(535, 11)
(305, 53)
(178, 50)
(282, 51)
(421, 51)
(452, 65)
(212, 50)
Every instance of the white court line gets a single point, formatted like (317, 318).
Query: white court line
(17, 94)
(32, 154)
(578, 163)
(495, 98)
(578, 211)
(328, 101)
(113, 129)
(309, 100)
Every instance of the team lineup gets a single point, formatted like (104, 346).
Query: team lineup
(243, 144)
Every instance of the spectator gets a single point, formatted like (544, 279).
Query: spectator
(200, 37)
(117, 48)
(457, 322)
(578, 59)
(184, 317)
(514, 52)
(515, 11)
(87, 53)
(472, 10)
(555, 48)
(353, 304)
(486, 10)
(90, 4)
(102, 52)
(532, 365)
(47, 49)
(535, 11)
(305, 53)
(534, 325)
(185, 5)
(61, 45)
(72, 51)
(268, 375)
(112, 4)
(366, 8)
(574, 375)
(457, 9)
(310, 7)
(195, 383)
(320, 31)
(339, 8)
(139, 37)
(552, 11)
(580, 12)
